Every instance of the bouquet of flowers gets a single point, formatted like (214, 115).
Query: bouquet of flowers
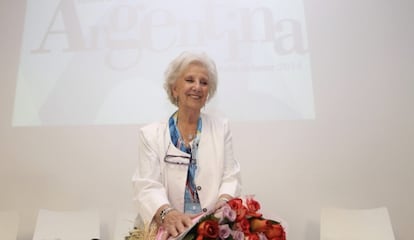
(236, 220)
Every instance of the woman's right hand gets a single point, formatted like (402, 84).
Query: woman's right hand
(175, 222)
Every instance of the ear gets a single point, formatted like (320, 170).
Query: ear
(174, 90)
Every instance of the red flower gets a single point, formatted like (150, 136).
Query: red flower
(208, 229)
(275, 232)
(243, 225)
(246, 223)
(253, 207)
(241, 214)
(235, 203)
(252, 236)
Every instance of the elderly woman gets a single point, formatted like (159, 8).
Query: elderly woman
(186, 164)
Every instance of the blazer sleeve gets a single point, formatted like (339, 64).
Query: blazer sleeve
(231, 181)
(149, 192)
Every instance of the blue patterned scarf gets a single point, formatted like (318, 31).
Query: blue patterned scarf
(191, 200)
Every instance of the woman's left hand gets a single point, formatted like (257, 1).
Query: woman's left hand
(223, 199)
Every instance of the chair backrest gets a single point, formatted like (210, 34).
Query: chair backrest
(355, 224)
(9, 222)
(124, 223)
(67, 225)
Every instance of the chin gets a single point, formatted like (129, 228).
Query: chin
(195, 108)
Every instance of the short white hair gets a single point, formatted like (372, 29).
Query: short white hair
(180, 63)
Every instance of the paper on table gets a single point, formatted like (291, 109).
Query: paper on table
(344, 224)
(9, 222)
(71, 225)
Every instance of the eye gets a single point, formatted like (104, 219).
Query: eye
(190, 80)
(204, 82)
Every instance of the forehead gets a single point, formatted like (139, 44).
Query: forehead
(194, 67)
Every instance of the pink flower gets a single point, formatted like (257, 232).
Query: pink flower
(237, 235)
(225, 214)
(237, 220)
(224, 231)
(229, 213)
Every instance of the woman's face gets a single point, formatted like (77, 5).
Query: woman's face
(191, 87)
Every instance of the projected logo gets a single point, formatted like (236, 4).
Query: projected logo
(102, 61)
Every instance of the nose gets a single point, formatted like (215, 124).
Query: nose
(197, 85)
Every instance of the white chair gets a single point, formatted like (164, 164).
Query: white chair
(9, 222)
(67, 225)
(355, 224)
(124, 224)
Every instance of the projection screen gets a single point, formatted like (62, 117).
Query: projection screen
(102, 61)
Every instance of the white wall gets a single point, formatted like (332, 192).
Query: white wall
(357, 153)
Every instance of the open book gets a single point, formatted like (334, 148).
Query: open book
(196, 220)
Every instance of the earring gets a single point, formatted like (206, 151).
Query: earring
(176, 101)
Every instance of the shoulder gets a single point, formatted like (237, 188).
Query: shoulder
(152, 126)
(153, 130)
(214, 121)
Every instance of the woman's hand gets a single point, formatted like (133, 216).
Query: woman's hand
(175, 222)
(223, 199)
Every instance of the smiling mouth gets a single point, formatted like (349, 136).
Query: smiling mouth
(194, 96)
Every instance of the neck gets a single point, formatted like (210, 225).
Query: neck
(187, 124)
(188, 117)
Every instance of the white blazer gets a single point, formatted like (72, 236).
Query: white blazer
(157, 182)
